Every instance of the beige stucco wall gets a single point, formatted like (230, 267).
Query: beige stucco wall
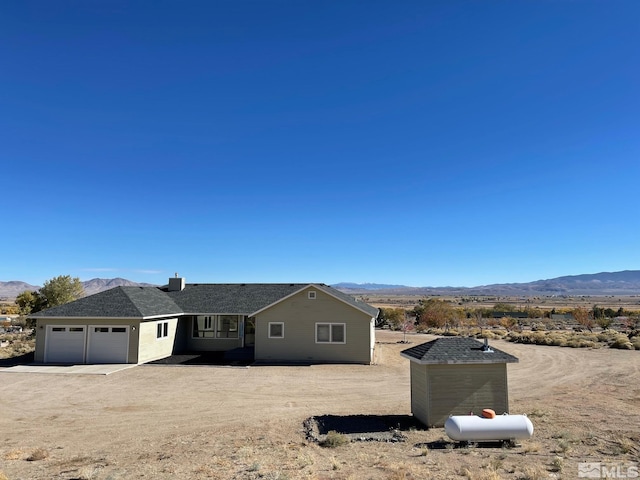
(153, 348)
(438, 391)
(42, 323)
(300, 315)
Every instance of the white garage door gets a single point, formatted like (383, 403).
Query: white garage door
(108, 344)
(65, 344)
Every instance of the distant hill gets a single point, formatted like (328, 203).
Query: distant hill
(10, 290)
(605, 283)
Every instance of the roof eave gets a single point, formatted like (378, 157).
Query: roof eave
(422, 361)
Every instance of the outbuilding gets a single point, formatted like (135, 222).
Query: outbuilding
(456, 376)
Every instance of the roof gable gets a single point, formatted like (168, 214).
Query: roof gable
(349, 300)
(456, 350)
(118, 302)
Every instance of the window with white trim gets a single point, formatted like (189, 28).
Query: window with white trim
(162, 330)
(331, 333)
(311, 295)
(276, 329)
(216, 326)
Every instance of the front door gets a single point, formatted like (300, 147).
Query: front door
(249, 331)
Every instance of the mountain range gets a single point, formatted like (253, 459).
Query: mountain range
(626, 282)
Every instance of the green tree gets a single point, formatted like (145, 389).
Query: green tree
(60, 290)
(29, 302)
(393, 317)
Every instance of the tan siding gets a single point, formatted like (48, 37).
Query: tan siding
(300, 315)
(43, 322)
(460, 389)
(153, 348)
(419, 400)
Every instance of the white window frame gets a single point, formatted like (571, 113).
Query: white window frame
(331, 341)
(269, 331)
(162, 330)
(311, 295)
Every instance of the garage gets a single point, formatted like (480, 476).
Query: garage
(65, 344)
(108, 344)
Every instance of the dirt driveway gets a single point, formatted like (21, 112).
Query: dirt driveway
(191, 422)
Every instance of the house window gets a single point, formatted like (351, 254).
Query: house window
(215, 326)
(162, 330)
(227, 326)
(331, 333)
(276, 330)
(312, 295)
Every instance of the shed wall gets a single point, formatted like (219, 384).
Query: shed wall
(461, 389)
(419, 399)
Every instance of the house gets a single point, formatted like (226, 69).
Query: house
(311, 323)
(456, 376)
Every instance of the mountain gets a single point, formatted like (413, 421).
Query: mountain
(96, 285)
(10, 290)
(605, 283)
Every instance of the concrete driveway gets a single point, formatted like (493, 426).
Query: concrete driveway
(102, 369)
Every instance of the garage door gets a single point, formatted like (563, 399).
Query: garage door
(108, 344)
(65, 344)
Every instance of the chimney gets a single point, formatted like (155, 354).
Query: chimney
(176, 284)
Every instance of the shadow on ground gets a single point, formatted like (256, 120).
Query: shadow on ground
(380, 428)
(25, 359)
(206, 358)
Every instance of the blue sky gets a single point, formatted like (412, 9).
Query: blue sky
(419, 143)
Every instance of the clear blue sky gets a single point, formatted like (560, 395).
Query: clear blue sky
(424, 143)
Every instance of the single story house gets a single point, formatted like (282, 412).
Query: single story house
(311, 323)
(456, 376)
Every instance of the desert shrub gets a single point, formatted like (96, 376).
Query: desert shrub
(579, 343)
(556, 464)
(621, 342)
(334, 439)
(500, 333)
(3, 476)
(451, 333)
(635, 341)
(38, 454)
(556, 340)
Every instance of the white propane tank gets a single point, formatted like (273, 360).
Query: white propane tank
(479, 429)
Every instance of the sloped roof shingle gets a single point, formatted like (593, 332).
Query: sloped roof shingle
(456, 350)
(118, 302)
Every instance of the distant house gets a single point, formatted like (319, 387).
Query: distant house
(308, 323)
(456, 376)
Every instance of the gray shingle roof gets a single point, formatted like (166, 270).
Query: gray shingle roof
(373, 311)
(119, 302)
(240, 298)
(144, 302)
(452, 350)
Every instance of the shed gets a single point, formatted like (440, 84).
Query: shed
(456, 376)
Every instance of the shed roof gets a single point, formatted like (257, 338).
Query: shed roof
(456, 350)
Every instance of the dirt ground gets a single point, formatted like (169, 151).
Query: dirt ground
(199, 422)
